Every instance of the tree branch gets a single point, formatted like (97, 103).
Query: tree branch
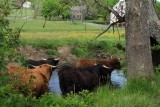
(109, 9)
(21, 5)
(112, 24)
(120, 18)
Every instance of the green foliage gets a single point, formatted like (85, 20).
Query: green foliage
(81, 51)
(10, 98)
(155, 47)
(53, 8)
(82, 99)
(98, 45)
(105, 13)
(157, 7)
(138, 92)
(89, 48)
(157, 69)
(9, 38)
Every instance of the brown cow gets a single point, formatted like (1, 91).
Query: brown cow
(34, 80)
(113, 63)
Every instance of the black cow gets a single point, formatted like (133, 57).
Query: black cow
(52, 61)
(78, 79)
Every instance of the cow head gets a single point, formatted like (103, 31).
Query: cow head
(52, 61)
(45, 69)
(115, 63)
(104, 69)
(104, 73)
(47, 66)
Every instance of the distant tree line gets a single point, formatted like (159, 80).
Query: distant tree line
(61, 8)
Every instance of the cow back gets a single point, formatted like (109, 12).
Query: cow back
(114, 63)
(32, 80)
(78, 79)
(85, 63)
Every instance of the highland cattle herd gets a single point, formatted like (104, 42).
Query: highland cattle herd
(87, 74)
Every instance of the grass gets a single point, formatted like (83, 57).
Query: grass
(22, 12)
(138, 93)
(52, 26)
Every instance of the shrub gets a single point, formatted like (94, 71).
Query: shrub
(82, 99)
(9, 38)
(98, 45)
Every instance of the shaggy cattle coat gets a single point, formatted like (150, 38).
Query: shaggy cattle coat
(113, 63)
(31, 80)
(78, 79)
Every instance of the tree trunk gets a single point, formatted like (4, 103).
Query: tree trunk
(141, 23)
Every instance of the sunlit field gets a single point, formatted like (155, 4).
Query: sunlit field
(62, 31)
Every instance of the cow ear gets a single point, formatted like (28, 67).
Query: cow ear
(44, 59)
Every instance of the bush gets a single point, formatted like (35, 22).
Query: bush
(10, 98)
(9, 37)
(83, 99)
(98, 45)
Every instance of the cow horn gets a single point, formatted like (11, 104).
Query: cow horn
(43, 59)
(54, 66)
(95, 63)
(33, 66)
(106, 67)
(57, 59)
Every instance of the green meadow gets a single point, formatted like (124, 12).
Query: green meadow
(60, 33)
(139, 92)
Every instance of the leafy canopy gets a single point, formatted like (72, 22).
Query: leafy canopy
(53, 8)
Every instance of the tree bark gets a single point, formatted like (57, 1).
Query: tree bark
(141, 23)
